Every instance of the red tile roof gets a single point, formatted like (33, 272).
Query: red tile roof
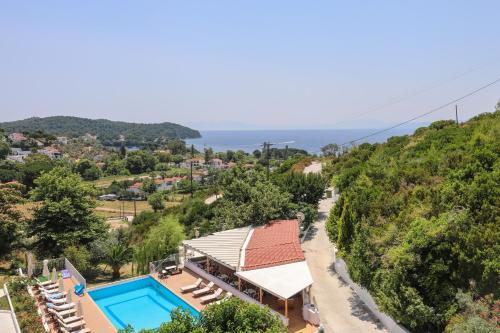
(276, 243)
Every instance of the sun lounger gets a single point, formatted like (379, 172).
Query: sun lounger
(60, 307)
(84, 330)
(191, 287)
(44, 283)
(55, 295)
(71, 327)
(226, 296)
(56, 301)
(65, 320)
(203, 291)
(63, 313)
(49, 291)
(212, 297)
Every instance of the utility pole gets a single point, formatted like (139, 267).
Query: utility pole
(192, 155)
(456, 113)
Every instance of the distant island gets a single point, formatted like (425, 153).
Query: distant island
(108, 132)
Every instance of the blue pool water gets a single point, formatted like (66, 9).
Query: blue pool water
(142, 303)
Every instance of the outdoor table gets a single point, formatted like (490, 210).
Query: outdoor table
(251, 292)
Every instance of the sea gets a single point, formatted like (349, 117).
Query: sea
(309, 140)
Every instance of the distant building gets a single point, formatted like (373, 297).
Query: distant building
(217, 163)
(108, 197)
(17, 137)
(136, 188)
(51, 152)
(89, 137)
(18, 155)
(62, 140)
(167, 183)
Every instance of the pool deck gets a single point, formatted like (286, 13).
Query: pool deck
(97, 321)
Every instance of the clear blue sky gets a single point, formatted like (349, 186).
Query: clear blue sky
(247, 64)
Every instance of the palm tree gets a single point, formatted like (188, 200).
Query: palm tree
(117, 256)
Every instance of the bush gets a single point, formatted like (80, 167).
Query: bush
(24, 306)
(78, 256)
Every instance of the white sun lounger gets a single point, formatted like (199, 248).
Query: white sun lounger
(45, 283)
(66, 320)
(191, 287)
(205, 290)
(63, 313)
(56, 301)
(226, 296)
(60, 307)
(212, 297)
(71, 326)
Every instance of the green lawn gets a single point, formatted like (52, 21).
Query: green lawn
(4, 303)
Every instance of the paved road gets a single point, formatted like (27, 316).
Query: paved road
(6, 322)
(340, 309)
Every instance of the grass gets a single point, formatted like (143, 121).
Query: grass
(106, 181)
(105, 274)
(4, 303)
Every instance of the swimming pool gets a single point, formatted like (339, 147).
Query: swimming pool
(142, 303)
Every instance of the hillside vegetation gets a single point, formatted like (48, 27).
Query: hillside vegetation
(418, 222)
(107, 131)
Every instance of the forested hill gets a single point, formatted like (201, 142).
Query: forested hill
(107, 131)
(418, 223)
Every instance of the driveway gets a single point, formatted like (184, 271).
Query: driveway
(341, 310)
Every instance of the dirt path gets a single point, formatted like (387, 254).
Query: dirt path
(340, 309)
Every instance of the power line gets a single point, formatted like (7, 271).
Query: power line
(400, 99)
(425, 114)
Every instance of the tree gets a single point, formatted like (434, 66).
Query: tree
(118, 254)
(9, 170)
(116, 167)
(148, 185)
(308, 188)
(4, 149)
(236, 315)
(134, 164)
(257, 154)
(33, 167)
(123, 151)
(78, 256)
(88, 169)
(161, 241)
(251, 203)
(65, 216)
(11, 223)
(330, 149)
(156, 201)
(209, 154)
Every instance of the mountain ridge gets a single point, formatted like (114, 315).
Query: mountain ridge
(109, 132)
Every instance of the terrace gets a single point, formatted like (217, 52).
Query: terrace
(263, 266)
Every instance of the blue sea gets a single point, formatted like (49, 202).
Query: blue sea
(309, 140)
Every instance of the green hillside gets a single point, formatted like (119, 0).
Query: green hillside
(418, 223)
(107, 131)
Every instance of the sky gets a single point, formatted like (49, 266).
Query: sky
(248, 64)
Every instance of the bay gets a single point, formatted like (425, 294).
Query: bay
(309, 140)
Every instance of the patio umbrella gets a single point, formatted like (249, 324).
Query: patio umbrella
(68, 297)
(54, 275)
(45, 271)
(79, 309)
(30, 264)
(61, 285)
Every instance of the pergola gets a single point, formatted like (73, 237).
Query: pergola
(282, 281)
